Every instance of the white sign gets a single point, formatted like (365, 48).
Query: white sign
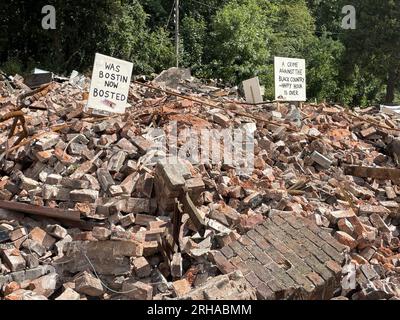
(290, 79)
(110, 84)
(252, 90)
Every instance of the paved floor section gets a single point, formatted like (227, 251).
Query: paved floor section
(287, 257)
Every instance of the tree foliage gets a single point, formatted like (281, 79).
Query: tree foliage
(239, 41)
(374, 46)
(119, 28)
(194, 35)
(230, 40)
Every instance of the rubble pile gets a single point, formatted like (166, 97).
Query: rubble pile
(93, 210)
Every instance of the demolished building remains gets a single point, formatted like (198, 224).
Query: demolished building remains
(92, 207)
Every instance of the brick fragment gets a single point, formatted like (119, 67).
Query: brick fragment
(137, 290)
(89, 285)
(345, 239)
(221, 262)
(141, 267)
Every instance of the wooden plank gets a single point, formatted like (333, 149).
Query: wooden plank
(373, 172)
(41, 211)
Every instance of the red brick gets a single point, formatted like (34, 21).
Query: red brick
(345, 239)
(334, 267)
(222, 263)
(264, 292)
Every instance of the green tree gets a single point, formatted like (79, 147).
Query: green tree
(194, 35)
(158, 11)
(328, 16)
(227, 39)
(156, 54)
(323, 69)
(129, 38)
(374, 46)
(239, 41)
(293, 27)
(114, 27)
(293, 36)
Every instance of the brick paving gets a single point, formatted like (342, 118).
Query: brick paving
(287, 257)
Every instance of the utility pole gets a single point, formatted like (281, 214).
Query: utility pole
(177, 32)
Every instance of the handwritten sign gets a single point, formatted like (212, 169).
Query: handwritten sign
(252, 90)
(110, 84)
(290, 79)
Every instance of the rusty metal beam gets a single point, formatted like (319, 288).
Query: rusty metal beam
(13, 114)
(41, 211)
